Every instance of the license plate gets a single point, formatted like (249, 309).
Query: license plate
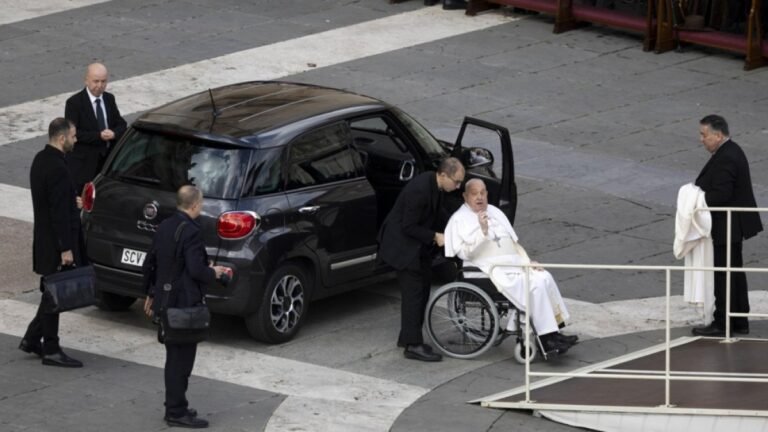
(133, 257)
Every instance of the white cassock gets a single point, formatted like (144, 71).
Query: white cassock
(499, 256)
(693, 241)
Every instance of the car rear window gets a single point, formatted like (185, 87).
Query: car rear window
(169, 162)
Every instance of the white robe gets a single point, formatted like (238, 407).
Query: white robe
(499, 256)
(694, 242)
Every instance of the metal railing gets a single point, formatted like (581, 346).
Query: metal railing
(651, 374)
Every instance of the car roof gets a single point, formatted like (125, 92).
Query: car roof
(247, 109)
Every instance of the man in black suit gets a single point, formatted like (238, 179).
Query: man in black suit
(406, 239)
(726, 182)
(57, 236)
(98, 122)
(178, 256)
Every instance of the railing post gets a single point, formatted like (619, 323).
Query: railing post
(728, 276)
(527, 344)
(668, 353)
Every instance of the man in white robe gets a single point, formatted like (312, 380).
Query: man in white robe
(481, 235)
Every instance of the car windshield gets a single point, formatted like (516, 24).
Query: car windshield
(430, 145)
(167, 163)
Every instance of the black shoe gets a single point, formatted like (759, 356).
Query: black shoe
(430, 2)
(741, 329)
(421, 352)
(569, 339)
(426, 347)
(454, 4)
(190, 412)
(552, 344)
(187, 421)
(61, 360)
(31, 348)
(712, 330)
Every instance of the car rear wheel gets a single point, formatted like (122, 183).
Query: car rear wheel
(284, 306)
(114, 302)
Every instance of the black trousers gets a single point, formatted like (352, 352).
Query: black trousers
(179, 361)
(739, 296)
(415, 283)
(44, 326)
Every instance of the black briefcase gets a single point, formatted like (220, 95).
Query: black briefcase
(70, 289)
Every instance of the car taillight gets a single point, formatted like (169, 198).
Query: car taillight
(89, 196)
(237, 224)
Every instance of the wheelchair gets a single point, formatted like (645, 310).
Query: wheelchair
(465, 318)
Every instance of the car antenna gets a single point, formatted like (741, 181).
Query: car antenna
(213, 104)
(215, 112)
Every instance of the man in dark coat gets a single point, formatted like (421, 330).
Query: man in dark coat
(99, 125)
(178, 257)
(726, 182)
(57, 236)
(406, 239)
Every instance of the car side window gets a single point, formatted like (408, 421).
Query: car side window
(374, 135)
(323, 156)
(264, 175)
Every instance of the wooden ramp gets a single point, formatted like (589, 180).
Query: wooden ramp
(707, 389)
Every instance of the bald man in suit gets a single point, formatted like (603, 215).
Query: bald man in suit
(99, 125)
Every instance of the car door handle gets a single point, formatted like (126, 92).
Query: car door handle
(308, 209)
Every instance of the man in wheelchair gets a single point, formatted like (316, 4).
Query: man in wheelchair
(481, 235)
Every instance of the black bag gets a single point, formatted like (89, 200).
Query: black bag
(186, 325)
(183, 325)
(71, 288)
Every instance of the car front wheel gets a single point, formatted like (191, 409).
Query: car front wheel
(283, 307)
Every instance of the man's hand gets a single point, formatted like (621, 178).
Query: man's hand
(79, 202)
(148, 306)
(107, 135)
(219, 270)
(67, 258)
(482, 218)
(440, 239)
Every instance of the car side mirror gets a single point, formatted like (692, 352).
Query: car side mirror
(476, 157)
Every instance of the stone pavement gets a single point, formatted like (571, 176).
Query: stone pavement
(603, 133)
(113, 395)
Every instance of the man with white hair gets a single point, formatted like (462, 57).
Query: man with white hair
(481, 235)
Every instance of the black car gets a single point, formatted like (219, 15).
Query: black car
(297, 179)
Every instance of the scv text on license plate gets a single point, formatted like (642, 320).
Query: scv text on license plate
(133, 257)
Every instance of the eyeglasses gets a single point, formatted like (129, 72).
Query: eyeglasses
(456, 182)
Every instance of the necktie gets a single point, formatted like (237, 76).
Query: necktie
(100, 116)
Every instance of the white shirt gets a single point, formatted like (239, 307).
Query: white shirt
(93, 105)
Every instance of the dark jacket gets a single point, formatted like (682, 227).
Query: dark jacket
(56, 216)
(409, 229)
(726, 182)
(86, 159)
(191, 273)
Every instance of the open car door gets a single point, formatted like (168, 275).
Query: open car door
(485, 149)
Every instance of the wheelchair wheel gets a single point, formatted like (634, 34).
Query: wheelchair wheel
(520, 351)
(462, 320)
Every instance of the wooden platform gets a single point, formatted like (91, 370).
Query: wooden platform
(691, 358)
